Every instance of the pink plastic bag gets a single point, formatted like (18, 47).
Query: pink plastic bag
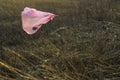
(33, 19)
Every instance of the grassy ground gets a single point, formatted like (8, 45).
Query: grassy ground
(82, 43)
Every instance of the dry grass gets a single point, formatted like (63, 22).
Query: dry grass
(82, 43)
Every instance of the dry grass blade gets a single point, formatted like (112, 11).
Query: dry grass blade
(19, 72)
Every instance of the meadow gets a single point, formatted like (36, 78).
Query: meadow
(82, 43)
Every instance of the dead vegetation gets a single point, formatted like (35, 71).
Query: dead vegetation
(82, 43)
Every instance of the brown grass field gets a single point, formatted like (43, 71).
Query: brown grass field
(82, 43)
